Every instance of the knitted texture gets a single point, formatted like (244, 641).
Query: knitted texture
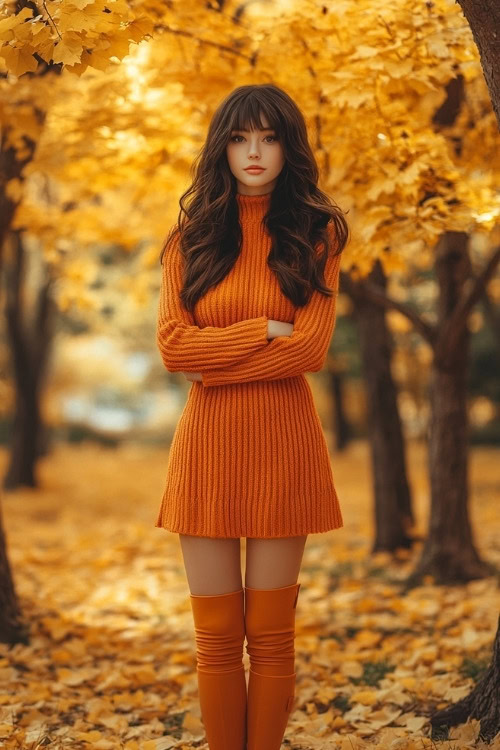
(248, 456)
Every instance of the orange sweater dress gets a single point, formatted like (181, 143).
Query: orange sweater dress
(248, 457)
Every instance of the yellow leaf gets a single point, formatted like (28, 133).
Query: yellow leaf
(408, 682)
(368, 637)
(140, 28)
(337, 722)
(19, 61)
(68, 50)
(365, 697)
(6, 24)
(351, 669)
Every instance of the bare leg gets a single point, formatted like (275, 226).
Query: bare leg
(217, 600)
(272, 563)
(213, 566)
(271, 592)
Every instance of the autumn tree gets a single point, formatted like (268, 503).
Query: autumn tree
(30, 340)
(119, 136)
(28, 87)
(430, 225)
(483, 702)
(392, 500)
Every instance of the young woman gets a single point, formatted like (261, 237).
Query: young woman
(247, 306)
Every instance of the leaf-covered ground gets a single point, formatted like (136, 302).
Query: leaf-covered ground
(111, 659)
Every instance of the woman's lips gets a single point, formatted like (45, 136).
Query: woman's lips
(254, 169)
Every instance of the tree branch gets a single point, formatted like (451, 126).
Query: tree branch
(468, 301)
(458, 319)
(207, 42)
(377, 295)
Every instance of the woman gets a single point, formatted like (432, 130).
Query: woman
(244, 312)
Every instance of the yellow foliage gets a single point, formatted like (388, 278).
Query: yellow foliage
(111, 658)
(114, 140)
(72, 27)
(365, 697)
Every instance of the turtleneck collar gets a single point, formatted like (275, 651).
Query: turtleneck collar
(253, 206)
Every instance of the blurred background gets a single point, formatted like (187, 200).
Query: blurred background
(103, 108)
(97, 143)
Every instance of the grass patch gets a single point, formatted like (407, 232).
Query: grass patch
(373, 672)
(341, 702)
(474, 668)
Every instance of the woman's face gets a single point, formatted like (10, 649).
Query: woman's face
(259, 148)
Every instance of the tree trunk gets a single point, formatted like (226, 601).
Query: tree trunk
(492, 315)
(482, 703)
(25, 432)
(393, 511)
(342, 427)
(11, 167)
(30, 348)
(484, 20)
(449, 554)
(12, 628)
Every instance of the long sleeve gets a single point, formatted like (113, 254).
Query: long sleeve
(185, 346)
(286, 356)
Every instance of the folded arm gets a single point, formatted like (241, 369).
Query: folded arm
(286, 356)
(184, 345)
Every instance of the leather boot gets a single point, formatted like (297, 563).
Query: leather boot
(220, 635)
(270, 632)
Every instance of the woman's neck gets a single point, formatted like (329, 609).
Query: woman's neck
(253, 206)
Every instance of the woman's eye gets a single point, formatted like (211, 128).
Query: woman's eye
(233, 139)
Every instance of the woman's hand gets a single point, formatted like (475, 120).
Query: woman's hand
(278, 328)
(192, 375)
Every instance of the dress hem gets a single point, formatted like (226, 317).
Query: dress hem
(247, 536)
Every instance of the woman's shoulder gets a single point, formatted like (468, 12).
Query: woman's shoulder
(171, 244)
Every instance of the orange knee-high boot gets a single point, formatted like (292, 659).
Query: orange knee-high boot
(270, 632)
(220, 635)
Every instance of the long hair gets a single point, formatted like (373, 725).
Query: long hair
(208, 222)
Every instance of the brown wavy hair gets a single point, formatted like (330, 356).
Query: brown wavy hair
(210, 232)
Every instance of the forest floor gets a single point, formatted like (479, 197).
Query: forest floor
(110, 661)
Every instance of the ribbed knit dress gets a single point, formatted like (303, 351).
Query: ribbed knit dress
(248, 457)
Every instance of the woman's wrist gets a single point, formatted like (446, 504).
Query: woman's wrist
(278, 328)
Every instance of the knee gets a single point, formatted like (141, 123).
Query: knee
(268, 642)
(270, 613)
(219, 631)
(270, 622)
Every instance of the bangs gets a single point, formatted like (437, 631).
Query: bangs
(247, 117)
